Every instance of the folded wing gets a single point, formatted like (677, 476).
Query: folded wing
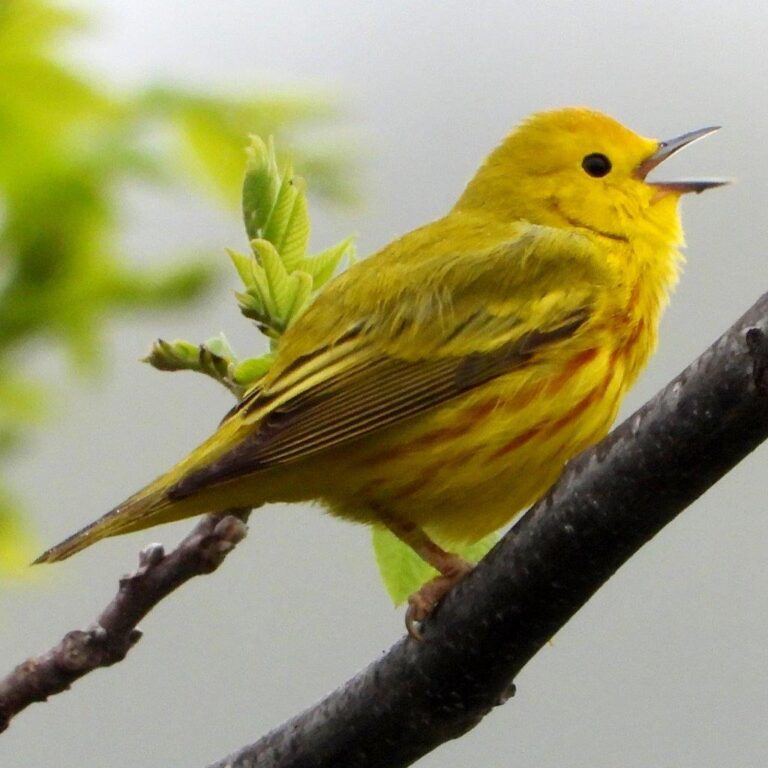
(396, 356)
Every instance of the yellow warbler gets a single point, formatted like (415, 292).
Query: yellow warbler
(439, 387)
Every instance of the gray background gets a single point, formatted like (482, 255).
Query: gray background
(667, 665)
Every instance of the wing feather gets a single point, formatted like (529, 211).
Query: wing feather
(366, 376)
(386, 391)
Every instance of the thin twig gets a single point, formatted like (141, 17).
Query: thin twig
(609, 502)
(115, 631)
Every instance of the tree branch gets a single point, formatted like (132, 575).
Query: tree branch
(114, 632)
(609, 502)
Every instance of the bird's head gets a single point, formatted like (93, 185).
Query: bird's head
(575, 167)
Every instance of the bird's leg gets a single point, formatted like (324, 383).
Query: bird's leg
(451, 567)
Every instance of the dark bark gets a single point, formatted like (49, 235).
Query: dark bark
(115, 631)
(609, 502)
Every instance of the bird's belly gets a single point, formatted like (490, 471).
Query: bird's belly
(469, 467)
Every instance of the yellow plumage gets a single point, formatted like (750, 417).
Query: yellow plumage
(440, 385)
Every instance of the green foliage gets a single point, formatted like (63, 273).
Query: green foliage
(403, 571)
(278, 276)
(210, 130)
(68, 146)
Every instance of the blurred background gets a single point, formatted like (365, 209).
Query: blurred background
(387, 109)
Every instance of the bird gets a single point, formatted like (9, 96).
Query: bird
(438, 387)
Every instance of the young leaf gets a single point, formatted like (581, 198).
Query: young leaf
(260, 186)
(244, 266)
(279, 218)
(213, 364)
(261, 288)
(301, 289)
(293, 246)
(278, 284)
(176, 355)
(250, 371)
(323, 265)
(251, 305)
(403, 571)
(220, 346)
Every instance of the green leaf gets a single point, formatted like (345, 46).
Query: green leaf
(251, 305)
(213, 364)
(280, 217)
(301, 288)
(220, 346)
(176, 355)
(260, 186)
(293, 247)
(249, 371)
(323, 265)
(244, 266)
(278, 285)
(261, 288)
(403, 571)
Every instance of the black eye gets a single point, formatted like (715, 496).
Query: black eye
(596, 165)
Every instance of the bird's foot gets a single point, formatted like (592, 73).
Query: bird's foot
(423, 602)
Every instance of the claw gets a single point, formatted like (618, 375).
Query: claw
(412, 624)
(422, 603)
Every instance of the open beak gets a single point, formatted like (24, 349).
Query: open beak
(667, 149)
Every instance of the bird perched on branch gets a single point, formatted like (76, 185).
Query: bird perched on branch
(438, 387)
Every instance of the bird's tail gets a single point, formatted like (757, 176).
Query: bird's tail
(156, 503)
(149, 506)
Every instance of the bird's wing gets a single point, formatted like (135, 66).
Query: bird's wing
(445, 328)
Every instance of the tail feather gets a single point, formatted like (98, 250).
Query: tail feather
(131, 515)
(151, 505)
